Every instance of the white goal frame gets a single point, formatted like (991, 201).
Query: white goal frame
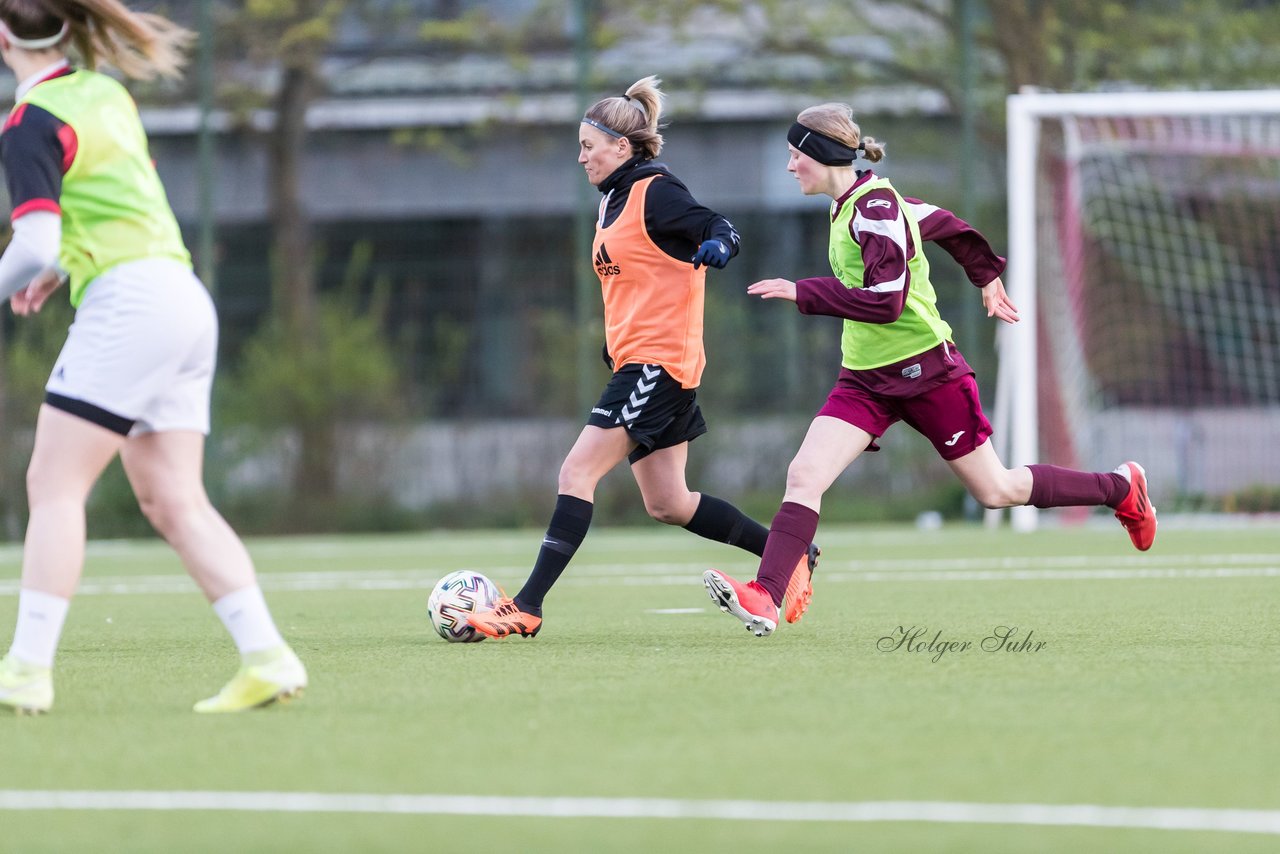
(1016, 421)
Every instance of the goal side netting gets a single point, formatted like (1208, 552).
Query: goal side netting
(1145, 257)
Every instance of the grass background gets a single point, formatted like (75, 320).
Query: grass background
(1156, 691)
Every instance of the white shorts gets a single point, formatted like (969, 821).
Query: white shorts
(141, 353)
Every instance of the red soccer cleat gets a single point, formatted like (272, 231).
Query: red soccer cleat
(505, 619)
(800, 588)
(1136, 512)
(749, 602)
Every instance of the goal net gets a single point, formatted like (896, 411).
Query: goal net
(1145, 259)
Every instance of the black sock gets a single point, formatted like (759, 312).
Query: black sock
(719, 520)
(568, 527)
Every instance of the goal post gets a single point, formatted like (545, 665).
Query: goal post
(1144, 258)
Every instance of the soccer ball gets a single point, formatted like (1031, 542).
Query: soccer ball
(456, 595)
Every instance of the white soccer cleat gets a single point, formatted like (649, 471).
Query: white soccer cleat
(749, 602)
(265, 677)
(25, 688)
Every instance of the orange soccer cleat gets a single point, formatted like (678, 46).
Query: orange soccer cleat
(800, 588)
(1136, 512)
(505, 619)
(749, 602)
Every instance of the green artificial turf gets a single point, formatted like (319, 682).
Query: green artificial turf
(1155, 684)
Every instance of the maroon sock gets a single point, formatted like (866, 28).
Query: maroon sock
(789, 538)
(1054, 486)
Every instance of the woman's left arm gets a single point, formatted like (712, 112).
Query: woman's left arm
(32, 252)
(997, 302)
(36, 148)
(673, 215)
(879, 230)
(964, 243)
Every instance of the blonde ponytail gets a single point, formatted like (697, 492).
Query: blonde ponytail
(634, 115)
(836, 121)
(141, 45)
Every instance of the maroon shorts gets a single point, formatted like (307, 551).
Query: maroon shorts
(934, 392)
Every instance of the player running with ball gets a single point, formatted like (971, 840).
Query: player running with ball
(652, 246)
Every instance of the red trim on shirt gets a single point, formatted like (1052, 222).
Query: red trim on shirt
(15, 118)
(863, 177)
(62, 71)
(70, 145)
(36, 205)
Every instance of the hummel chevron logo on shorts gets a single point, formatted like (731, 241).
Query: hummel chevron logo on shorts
(631, 409)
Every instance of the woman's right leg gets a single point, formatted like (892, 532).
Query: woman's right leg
(829, 447)
(70, 454)
(166, 472)
(165, 469)
(596, 452)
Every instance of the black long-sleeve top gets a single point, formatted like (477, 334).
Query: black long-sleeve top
(675, 220)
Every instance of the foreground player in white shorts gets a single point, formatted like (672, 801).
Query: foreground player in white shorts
(134, 376)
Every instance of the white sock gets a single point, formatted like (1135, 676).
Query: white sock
(40, 619)
(246, 617)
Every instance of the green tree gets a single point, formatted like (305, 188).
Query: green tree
(315, 360)
(1059, 45)
(295, 34)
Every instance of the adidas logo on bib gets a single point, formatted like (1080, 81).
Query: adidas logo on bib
(604, 264)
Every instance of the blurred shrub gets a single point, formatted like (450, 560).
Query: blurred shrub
(347, 372)
(1259, 498)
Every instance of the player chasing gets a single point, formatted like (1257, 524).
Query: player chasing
(652, 246)
(898, 362)
(135, 373)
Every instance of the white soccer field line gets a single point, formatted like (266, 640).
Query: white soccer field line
(1069, 568)
(1061, 815)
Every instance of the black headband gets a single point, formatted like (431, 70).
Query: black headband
(600, 126)
(822, 148)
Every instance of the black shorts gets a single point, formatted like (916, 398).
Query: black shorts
(656, 412)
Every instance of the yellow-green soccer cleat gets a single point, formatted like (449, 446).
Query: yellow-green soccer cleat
(25, 688)
(264, 677)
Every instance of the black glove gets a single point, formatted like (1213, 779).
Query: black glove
(713, 253)
(604, 354)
